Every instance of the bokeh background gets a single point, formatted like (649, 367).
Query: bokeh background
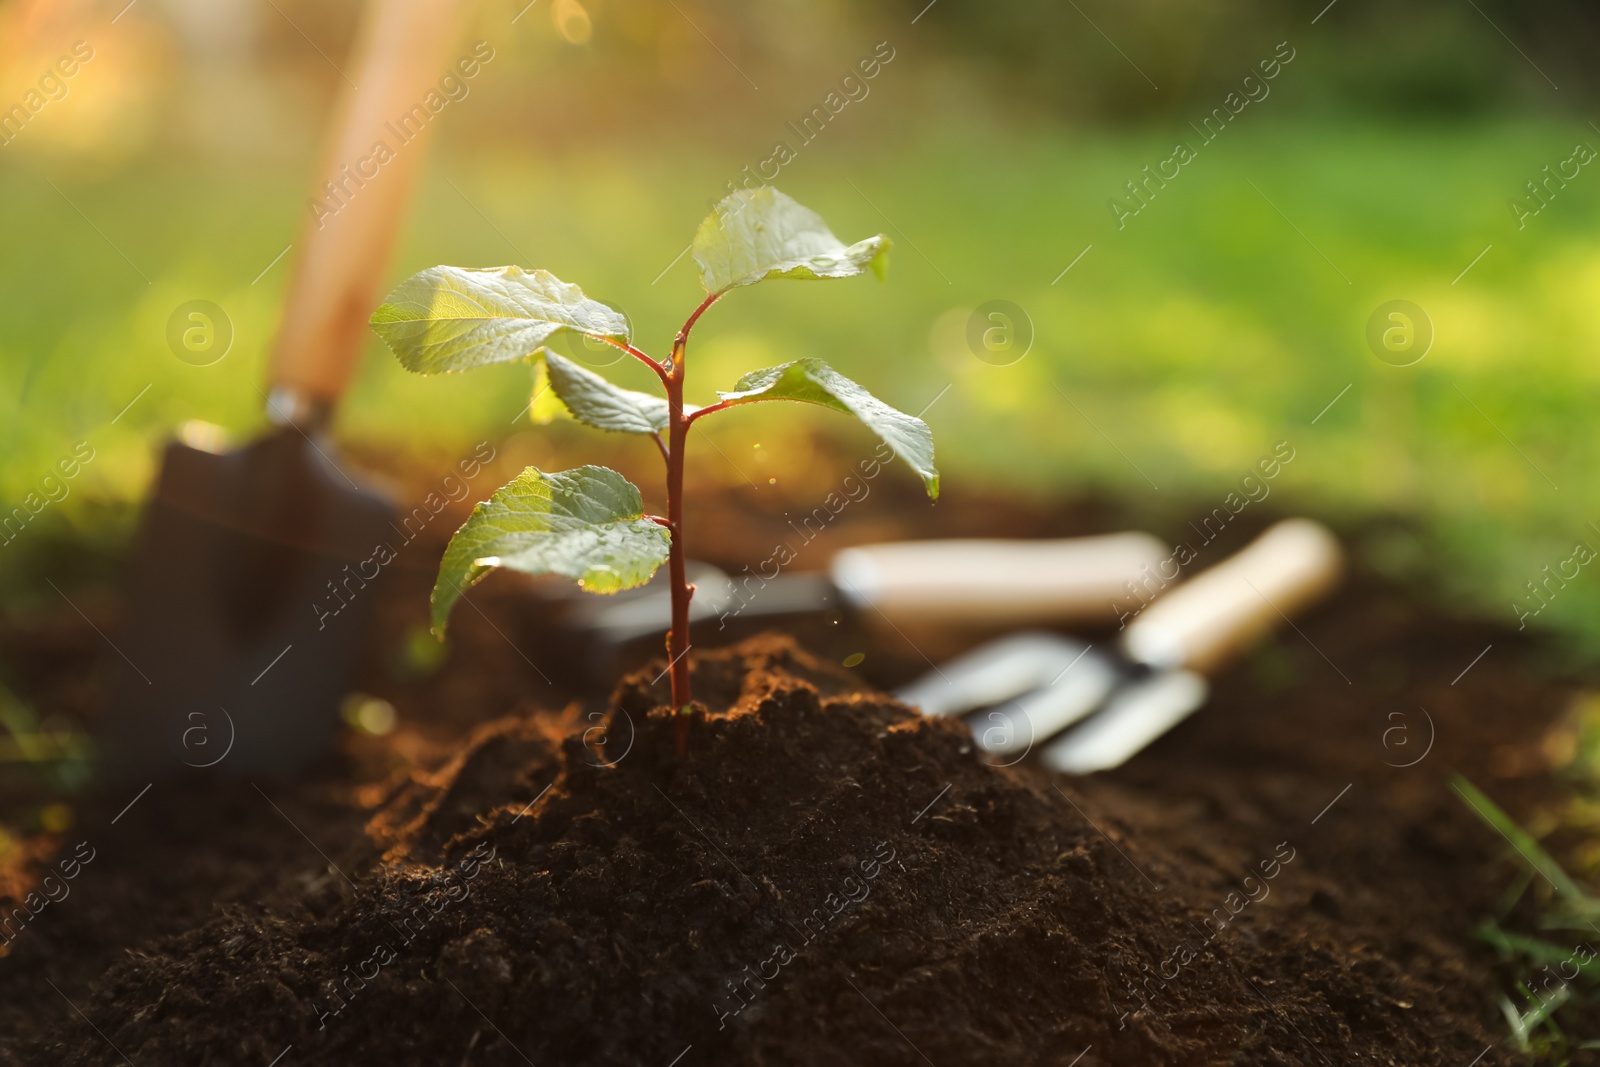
(1386, 161)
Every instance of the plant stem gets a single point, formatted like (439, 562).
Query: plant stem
(709, 409)
(683, 334)
(678, 646)
(682, 591)
(661, 372)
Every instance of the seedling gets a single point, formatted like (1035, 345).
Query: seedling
(588, 524)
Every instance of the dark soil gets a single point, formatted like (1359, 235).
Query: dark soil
(826, 878)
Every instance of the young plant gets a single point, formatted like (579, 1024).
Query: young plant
(588, 524)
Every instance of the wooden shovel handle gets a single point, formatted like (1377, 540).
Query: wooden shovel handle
(988, 582)
(1221, 611)
(402, 51)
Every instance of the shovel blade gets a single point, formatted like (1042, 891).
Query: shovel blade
(250, 596)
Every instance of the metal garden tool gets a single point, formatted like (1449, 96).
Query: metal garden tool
(984, 582)
(230, 655)
(1034, 685)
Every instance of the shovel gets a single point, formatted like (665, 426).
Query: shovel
(229, 656)
(1035, 685)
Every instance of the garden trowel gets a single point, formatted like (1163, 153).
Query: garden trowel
(1033, 686)
(959, 582)
(973, 581)
(230, 656)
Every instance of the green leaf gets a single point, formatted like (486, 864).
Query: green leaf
(595, 401)
(755, 234)
(451, 318)
(814, 382)
(544, 405)
(586, 524)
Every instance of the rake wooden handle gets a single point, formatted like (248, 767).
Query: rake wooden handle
(1016, 582)
(1223, 609)
(403, 49)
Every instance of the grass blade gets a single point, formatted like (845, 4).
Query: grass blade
(1522, 841)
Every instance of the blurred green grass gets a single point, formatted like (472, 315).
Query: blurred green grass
(1224, 318)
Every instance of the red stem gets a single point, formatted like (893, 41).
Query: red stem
(661, 372)
(678, 424)
(709, 409)
(682, 591)
(683, 334)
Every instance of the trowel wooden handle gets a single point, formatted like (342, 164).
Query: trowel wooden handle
(996, 581)
(1222, 610)
(404, 49)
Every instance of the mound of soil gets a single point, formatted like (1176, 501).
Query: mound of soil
(1287, 877)
(827, 877)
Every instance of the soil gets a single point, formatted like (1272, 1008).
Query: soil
(512, 877)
